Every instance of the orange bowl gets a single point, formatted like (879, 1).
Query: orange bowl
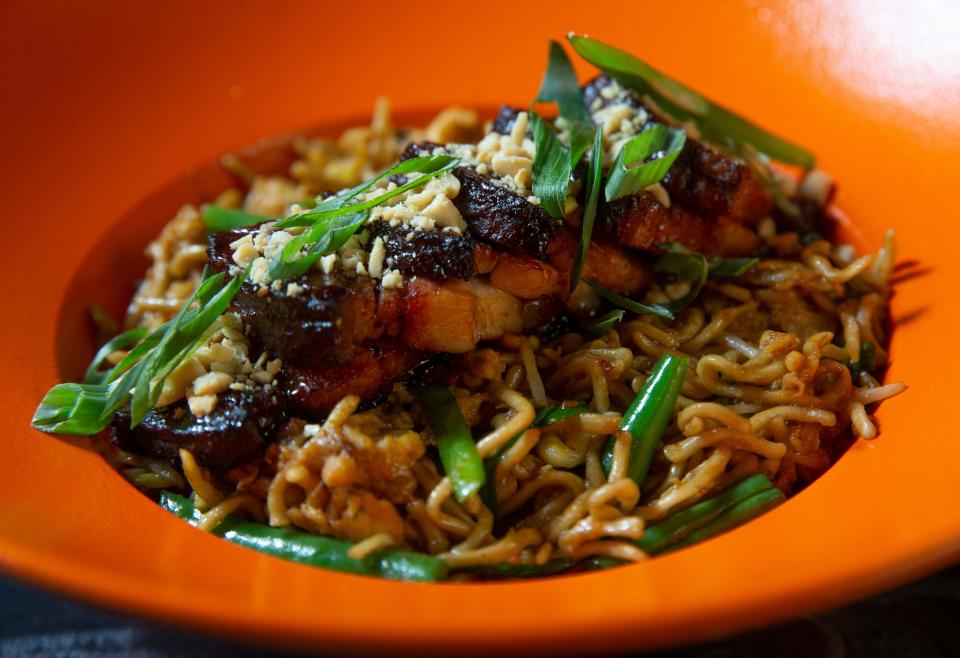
(105, 105)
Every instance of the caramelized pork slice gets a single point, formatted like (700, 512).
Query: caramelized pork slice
(641, 222)
(525, 277)
(506, 117)
(607, 264)
(368, 372)
(323, 318)
(702, 178)
(452, 316)
(494, 214)
(237, 429)
(438, 254)
(502, 217)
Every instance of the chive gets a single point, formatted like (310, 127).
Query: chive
(218, 218)
(680, 525)
(93, 374)
(730, 267)
(644, 160)
(629, 304)
(690, 266)
(590, 210)
(313, 550)
(86, 409)
(716, 123)
(605, 323)
(696, 267)
(648, 415)
(764, 174)
(553, 162)
(737, 515)
(429, 166)
(551, 168)
(458, 452)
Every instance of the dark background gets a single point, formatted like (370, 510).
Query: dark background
(919, 620)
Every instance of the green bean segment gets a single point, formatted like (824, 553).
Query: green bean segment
(680, 525)
(314, 550)
(458, 451)
(648, 415)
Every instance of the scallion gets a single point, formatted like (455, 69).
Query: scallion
(217, 218)
(716, 123)
(85, 409)
(594, 175)
(644, 160)
(631, 305)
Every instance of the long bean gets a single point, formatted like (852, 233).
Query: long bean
(737, 515)
(647, 416)
(680, 525)
(314, 550)
(458, 451)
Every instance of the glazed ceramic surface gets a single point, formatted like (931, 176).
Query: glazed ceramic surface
(109, 108)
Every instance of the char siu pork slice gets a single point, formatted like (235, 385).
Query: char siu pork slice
(702, 178)
(453, 316)
(439, 254)
(369, 372)
(494, 214)
(324, 321)
(237, 429)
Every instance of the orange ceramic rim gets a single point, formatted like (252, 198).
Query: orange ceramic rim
(121, 100)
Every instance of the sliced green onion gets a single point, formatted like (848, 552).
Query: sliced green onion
(86, 409)
(429, 166)
(560, 86)
(458, 452)
(867, 361)
(694, 267)
(334, 220)
(605, 323)
(730, 267)
(554, 163)
(324, 237)
(679, 525)
(629, 304)
(648, 415)
(551, 167)
(72, 409)
(508, 570)
(590, 210)
(313, 550)
(764, 174)
(690, 266)
(716, 123)
(644, 160)
(94, 375)
(218, 218)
